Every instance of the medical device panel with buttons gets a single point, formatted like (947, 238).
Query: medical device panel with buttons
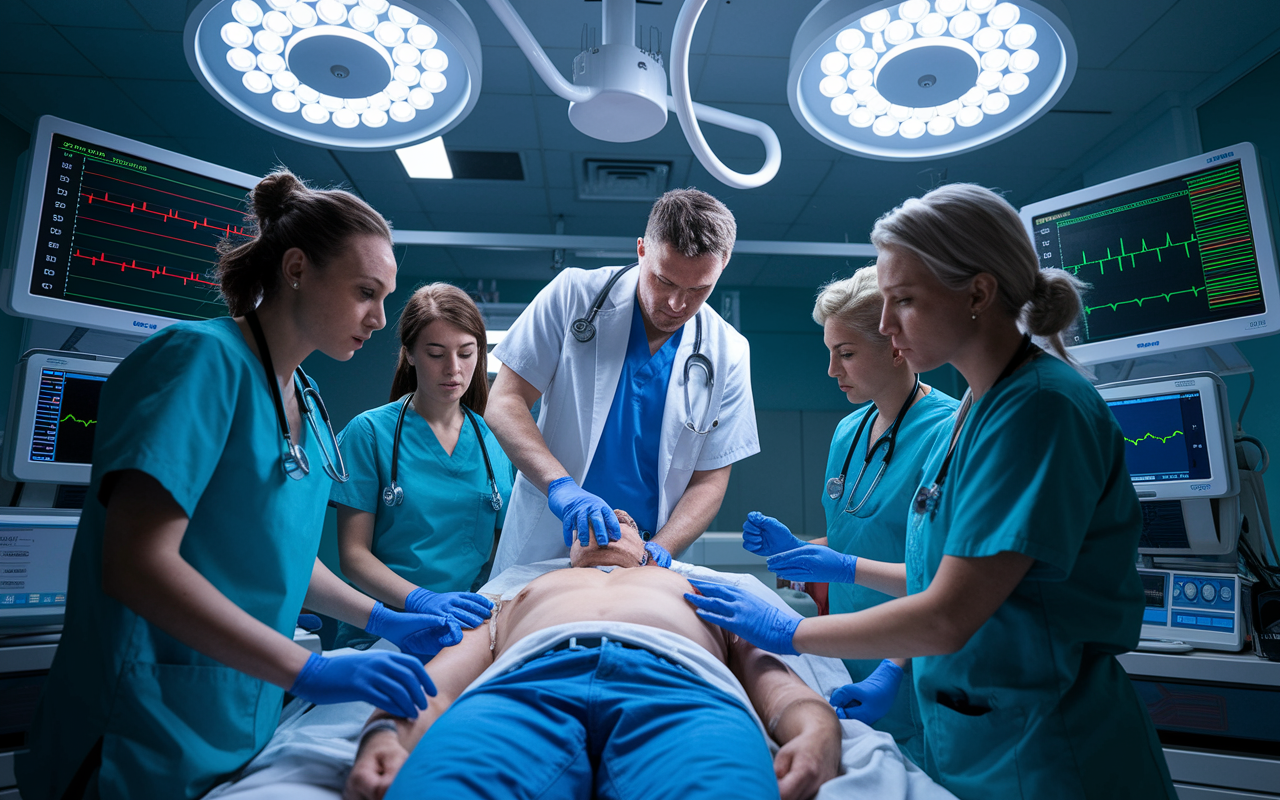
(1200, 609)
(1175, 257)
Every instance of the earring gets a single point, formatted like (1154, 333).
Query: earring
(295, 284)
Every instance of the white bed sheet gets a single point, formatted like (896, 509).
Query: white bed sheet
(314, 746)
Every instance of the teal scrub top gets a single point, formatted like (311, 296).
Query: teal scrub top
(442, 534)
(879, 530)
(624, 469)
(1036, 705)
(190, 407)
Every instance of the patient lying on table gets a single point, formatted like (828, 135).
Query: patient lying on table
(577, 701)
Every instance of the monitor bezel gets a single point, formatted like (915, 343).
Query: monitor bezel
(19, 301)
(1224, 475)
(22, 619)
(1204, 334)
(17, 463)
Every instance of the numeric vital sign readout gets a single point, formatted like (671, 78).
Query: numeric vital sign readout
(127, 233)
(1165, 256)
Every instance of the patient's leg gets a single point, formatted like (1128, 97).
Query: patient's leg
(658, 731)
(520, 735)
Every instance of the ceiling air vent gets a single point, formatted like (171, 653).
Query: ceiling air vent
(613, 179)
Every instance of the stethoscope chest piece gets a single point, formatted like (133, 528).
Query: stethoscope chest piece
(392, 495)
(583, 330)
(835, 487)
(295, 462)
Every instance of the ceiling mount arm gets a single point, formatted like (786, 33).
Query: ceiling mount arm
(682, 104)
(537, 57)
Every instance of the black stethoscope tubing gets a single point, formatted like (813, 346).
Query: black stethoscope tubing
(584, 330)
(393, 493)
(835, 486)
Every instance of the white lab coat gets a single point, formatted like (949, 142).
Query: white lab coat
(578, 380)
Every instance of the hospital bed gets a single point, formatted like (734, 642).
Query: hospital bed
(314, 746)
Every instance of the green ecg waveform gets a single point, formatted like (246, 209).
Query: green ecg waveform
(84, 422)
(1145, 436)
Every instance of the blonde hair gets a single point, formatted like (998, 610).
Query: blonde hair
(960, 230)
(855, 301)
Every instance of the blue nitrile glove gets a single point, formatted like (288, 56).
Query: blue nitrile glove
(394, 682)
(765, 536)
(467, 608)
(658, 554)
(417, 634)
(739, 611)
(870, 699)
(577, 508)
(814, 562)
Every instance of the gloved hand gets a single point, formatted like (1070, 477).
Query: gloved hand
(577, 508)
(394, 682)
(658, 554)
(765, 536)
(871, 698)
(814, 562)
(467, 608)
(417, 634)
(739, 611)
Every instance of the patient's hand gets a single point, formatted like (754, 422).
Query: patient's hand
(806, 762)
(377, 764)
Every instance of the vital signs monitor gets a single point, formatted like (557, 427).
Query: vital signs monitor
(53, 416)
(1176, 257)
(117, 235)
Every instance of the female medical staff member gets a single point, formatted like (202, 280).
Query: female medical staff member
(873, 469)
(198, 541)
(1022, 537)
(429, 483)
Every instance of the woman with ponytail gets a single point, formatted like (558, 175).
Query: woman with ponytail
(429, 482)
(197, 545)
(1019, 583)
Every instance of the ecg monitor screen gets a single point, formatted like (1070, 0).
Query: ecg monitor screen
(66, 416)
(127, 233)
(1164, 437)
(1168, 255)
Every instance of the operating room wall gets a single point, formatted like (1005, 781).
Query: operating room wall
(13, 141)
(1242, 113)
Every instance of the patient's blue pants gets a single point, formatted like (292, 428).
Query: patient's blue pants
(607, 722)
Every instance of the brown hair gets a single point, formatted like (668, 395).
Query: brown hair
(287, 213)
(449, 303)
(693, 223)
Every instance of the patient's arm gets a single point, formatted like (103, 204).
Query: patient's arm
(796, 717)
(383, 753)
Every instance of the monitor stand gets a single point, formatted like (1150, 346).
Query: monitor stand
(1223, 359)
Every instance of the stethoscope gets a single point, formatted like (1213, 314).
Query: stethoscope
(294, 461)
(584, 330)
(835, 486)
(393, 493)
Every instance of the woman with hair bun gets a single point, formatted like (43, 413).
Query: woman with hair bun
(198, 540)
(1020, 581)
(429, 482)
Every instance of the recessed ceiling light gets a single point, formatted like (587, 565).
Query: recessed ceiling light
(426, 160)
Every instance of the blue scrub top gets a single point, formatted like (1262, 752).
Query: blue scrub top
(1039, 469)
(442, 534)
(624, 469)
(879, 530)
(190, 407)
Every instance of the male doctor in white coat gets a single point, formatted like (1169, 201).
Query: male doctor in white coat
(646, 403)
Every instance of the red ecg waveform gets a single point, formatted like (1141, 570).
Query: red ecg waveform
(163, 271)
(161, 191)
(166, 214)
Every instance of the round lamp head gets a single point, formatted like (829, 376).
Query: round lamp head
(342, 74)
(923, 78)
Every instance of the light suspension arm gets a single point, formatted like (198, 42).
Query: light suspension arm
(537, 57)
(682, 104)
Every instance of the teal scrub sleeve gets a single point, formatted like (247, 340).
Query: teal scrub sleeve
(167, 411)
(363, 489)
(1030, 483)
(532, 346)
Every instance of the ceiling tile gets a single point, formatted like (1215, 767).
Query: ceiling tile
(485, 223)
(757, 28)
(183, 108)
(18, 12)
(486, 202)
(108, 14)
(742, 79)
(90, 101)
(1201, 36)
(162, 15)
(500, 122)
(506, 71)
(41, 50)
(132, 53)
(1103, 29)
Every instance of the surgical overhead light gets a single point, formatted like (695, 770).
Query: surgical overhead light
(344, 74)
(923, 78)
(619, 91)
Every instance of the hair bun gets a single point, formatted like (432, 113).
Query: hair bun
(273, 195)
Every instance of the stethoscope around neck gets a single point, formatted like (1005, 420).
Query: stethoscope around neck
(584, 330)
(393, 493)
(835, 486)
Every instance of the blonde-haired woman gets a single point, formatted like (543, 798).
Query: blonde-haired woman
(1020, 579)
(429, 483)
(872, 472)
